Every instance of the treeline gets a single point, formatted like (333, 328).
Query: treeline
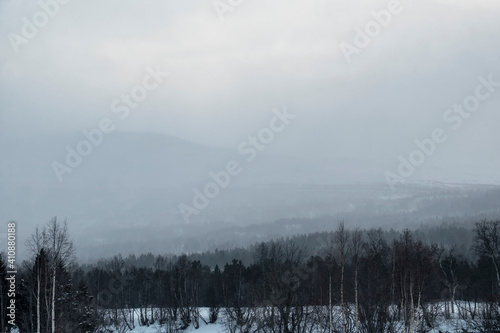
(360, 281)
(460, 236)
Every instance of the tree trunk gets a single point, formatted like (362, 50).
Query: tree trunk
(54, 300)
(47, 298)
(38, 300)
(494, 259)
(403, 303)
(452, 291)
(2, 314)
(330, 304)
(418, 307)
(344, 326)
(412, 308)
(356, 295)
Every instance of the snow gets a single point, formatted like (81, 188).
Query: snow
(450, 325)
(204, 328)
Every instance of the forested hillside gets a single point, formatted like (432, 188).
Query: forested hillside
(371, 280)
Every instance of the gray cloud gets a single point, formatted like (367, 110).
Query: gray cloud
(227, 76)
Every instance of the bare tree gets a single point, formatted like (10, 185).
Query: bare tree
(448, 266)
(330, 257)
(356, 249)
(341, 239)
(487, 243)
(36, 244)
(61, 250)
(53, 240)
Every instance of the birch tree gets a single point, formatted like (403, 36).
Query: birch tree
(356, 248)
(54, 241)
(341, 239)
(36, 244)
(61, 250)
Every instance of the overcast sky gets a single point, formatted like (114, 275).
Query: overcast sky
(227, 76)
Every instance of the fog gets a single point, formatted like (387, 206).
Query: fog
(229, 72)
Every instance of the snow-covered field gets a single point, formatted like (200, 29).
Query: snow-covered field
(204, 328)
(211, 328)
(450, 325)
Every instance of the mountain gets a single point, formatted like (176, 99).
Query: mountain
(125, 195)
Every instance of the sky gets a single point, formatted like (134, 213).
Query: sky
(225, 76)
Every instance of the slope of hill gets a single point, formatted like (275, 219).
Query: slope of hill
(128, 191)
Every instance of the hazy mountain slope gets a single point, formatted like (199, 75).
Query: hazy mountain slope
(129, 189)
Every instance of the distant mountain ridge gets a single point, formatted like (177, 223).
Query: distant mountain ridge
(130, 188)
